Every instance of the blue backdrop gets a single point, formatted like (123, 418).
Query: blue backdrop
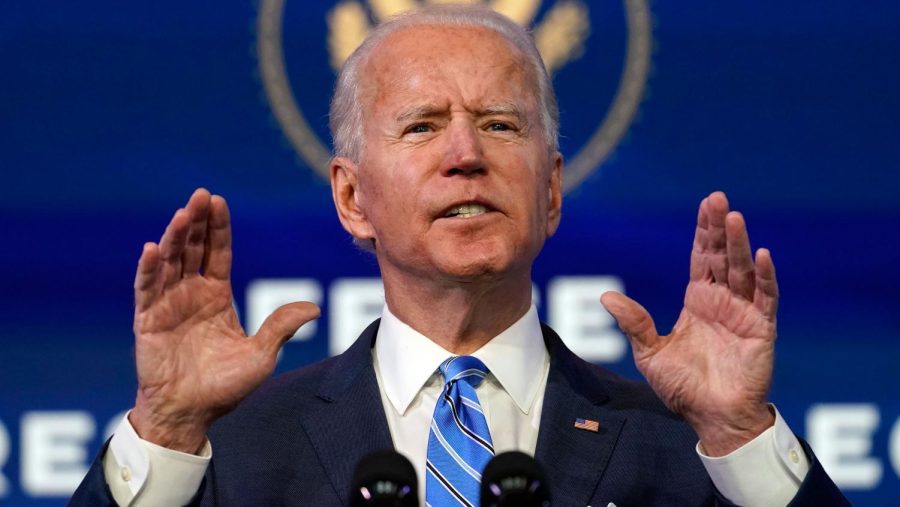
(112, 113)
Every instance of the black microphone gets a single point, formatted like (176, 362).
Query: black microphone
(514, 479)
(384, 479)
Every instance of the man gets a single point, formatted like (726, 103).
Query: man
(447, 168)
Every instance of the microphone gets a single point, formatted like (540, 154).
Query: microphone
(384, 479)
(514, 479)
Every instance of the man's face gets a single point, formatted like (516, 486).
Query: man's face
(456, 180)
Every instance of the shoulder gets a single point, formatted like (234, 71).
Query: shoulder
(631, 398)
(300, 392)
(298, 386)
(648, 450)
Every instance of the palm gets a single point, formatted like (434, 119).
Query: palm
(190, 328)
(715, 366)
(194, 361)
(718, 356)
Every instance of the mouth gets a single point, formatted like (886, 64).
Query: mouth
(466, 210)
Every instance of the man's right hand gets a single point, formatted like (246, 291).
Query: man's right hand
(194, 361)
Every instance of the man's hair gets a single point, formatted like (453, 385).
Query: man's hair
(346, 115)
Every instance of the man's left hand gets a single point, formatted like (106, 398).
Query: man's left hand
(715, 367)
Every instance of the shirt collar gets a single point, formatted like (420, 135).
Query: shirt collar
(407, 359)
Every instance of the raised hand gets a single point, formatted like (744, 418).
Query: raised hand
(715, 367)
(194, 361)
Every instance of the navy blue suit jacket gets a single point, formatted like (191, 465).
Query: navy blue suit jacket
(297, 439)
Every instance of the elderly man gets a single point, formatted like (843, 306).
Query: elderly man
(447, 168)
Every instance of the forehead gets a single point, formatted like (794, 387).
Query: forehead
(472, 65)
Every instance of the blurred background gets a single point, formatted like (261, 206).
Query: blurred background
(111, 113)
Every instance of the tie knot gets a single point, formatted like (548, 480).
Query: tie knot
(467, 368)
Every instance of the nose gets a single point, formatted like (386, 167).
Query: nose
(464, 155)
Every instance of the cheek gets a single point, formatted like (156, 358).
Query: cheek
(390, 201)
(538, 207)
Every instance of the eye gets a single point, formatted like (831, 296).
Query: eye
(497, 126)
(418, 128)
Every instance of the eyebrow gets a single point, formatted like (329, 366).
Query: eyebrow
(505, 109)
(418, 112)
(430, 111)
(502, 108)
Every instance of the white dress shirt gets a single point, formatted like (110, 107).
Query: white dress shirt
(764, 472)
(511, 395)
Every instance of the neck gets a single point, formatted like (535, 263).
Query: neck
(459, 316)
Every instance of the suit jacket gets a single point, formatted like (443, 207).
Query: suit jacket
(297, 439)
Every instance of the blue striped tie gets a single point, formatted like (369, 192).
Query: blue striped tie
(459, 445)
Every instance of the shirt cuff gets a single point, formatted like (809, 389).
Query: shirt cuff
(766, 471)
(143, 473)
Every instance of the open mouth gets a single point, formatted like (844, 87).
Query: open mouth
(466, 211)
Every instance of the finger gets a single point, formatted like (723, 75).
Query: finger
(765, 298)
(632, 318)
(741, 272)
(699, 264)
(198, 211)
(146, 286)
(217, 255)
(171, 246)
(717, 246)
(281, 325)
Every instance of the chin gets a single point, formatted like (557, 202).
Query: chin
(476, 265)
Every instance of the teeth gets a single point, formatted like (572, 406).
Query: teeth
(467, 211)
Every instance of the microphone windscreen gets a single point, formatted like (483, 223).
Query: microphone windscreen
(514, 479)
(384, 479)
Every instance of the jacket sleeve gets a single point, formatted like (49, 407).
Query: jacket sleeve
(817, 489)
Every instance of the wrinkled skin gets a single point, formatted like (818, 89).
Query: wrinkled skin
(441, 132)
(715, 366)
(194, 361)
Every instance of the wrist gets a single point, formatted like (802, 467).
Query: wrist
(722, 436)
(180, 432)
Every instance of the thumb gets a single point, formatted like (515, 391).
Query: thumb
(281, 325)
(632, 318)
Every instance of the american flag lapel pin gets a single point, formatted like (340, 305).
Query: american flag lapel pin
(587, 424)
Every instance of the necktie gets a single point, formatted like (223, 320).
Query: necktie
(459, 445)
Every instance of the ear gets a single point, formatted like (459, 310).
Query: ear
(346, 194)
(554, 207)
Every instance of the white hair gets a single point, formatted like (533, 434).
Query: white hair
(346, 113)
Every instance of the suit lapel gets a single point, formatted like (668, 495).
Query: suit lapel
(350, 423)
(574, 459)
